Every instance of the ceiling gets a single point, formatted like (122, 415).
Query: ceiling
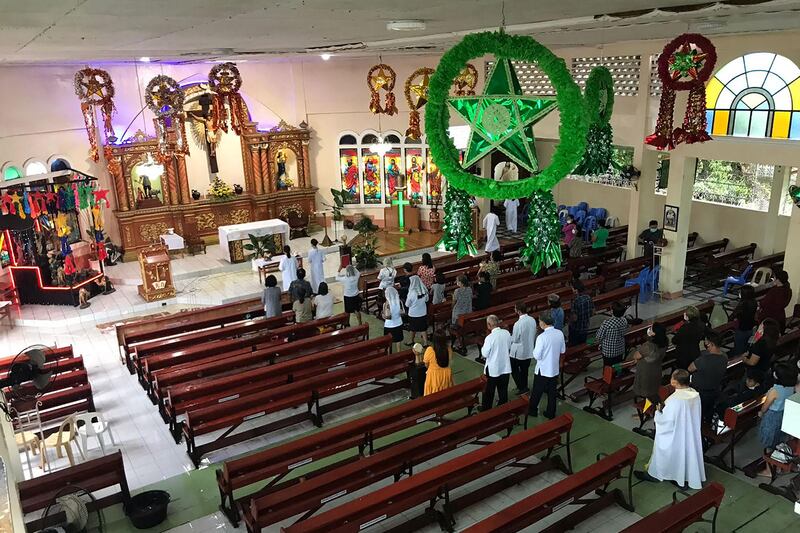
(79, 31)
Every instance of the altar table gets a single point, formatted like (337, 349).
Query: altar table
(230, 236)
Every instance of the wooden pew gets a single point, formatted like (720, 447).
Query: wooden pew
(249, 343)
(94, 475)
(570, 491)
(584, 263)
(437, 483)
(68, 394)
(314, 492)
(309, 392)
(190, 374)
(729, 261)
(615, 274)
(277, 462)
(618, 230)
(772, 261)
(52, 354)
(680, 514)
(738, 420)
(299, 364)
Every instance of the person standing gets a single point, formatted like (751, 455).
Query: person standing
(773, 304)
(648, 357)
(549, 347)
(745, 316)
(393, 317)
(490, 224)
(483, 290)
(678, 446)
(523, 340)
(556, 311)
(611, 336)
(271, 297)
(403, 280)
(511, 214)
(688, 337)
(352, 294)
(437, 289)
(771, 413)
(439, 375)
(417, 306)
(569, 230)
(495, 350)
(759, 355)
(288, 267)
(582, 311)
(492, 267)
(426, 271)
(316, 260)
(298, 285)
(462, 299)
(303, 311)
(707, 373)
(600, 236)
(387, 274)
(323, 302)
(650, 237)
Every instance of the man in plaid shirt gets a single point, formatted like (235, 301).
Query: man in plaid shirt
(582, 311)
(611, 336)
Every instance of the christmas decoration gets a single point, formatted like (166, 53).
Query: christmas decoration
(219, 190)
(686, 63)
(94, 88)
(457, 235)
(466, 81)
(416, 89)
(164, 97)
(599, 96)
(382, 77)
(543, 237)
(572, 111)
(225, 81)
(794, 195)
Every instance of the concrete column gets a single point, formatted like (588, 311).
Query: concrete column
(638, 217)
(679, 193)
(779, 184)
(791, 263)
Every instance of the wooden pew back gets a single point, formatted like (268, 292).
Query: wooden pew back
(679, 515)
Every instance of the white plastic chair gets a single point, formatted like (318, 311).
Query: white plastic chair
(61, 441)
(93, 425)
(761, 276)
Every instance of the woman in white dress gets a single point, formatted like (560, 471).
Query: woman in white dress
(323, 302)
(387, 274)
(316, 258)
(511, 214)
(352, 293)
(288, 268)
(417, 305)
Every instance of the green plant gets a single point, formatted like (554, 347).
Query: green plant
(338, 203)
(365, 252)
(365, 225)
(262, 247)
(219, 190)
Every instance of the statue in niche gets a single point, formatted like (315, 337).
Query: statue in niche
(283, 179)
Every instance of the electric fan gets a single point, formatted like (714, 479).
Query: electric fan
(28, 366)
(69, 509)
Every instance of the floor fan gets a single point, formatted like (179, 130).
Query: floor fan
(28, 366)
(69, 509)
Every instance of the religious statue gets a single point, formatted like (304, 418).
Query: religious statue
(83, 298)
(394, 177)
(415, 181)
(284, 181)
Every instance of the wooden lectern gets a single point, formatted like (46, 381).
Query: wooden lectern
(156, 273)
(410, 214)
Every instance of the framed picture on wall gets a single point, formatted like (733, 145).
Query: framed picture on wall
(671, 217)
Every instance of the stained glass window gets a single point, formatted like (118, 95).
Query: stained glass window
(415, 175)
(34, 168)
(348, 163)
(372, 176)
(755, 95)
(434, 182)
(392, 171)
(11, 173)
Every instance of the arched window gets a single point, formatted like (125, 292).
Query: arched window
(34, 168)
(755, 95)
(11, 172)
(58, 163)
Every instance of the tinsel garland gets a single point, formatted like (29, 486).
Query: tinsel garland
(599, 96)
(543, 237)
(457, 236)
(572, 129)
(421, 90)
(224, 80)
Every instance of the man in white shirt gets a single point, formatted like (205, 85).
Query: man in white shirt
(511, 214)
(490, 224)
(523, 339)
(496, 348)
(549, 347)
(316, 258)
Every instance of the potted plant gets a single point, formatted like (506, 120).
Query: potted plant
(262, 248)
(365, 226)
(364, 252)
(219, 190)
(337, 206)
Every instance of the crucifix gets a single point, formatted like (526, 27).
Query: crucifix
(401, 202)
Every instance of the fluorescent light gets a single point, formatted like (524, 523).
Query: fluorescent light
(144, 59)
(405, 25)
(325, 57)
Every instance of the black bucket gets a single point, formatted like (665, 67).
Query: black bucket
(148, 509)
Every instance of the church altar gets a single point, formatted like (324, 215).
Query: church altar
(229, 236)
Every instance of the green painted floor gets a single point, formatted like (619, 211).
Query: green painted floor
(745, 509)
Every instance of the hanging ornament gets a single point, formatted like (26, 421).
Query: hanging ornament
(543, 237)
(466, 81)
(225, 81)
(416, 91)
(599, 96)
(457, 236)
(101, 195)
(382, 77)
(686, 63)
(8, 206)
(63, 230)
(94, 87)
(164, 97)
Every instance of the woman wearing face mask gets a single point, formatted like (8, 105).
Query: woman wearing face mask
(688, 337)
(760, 353)
(648, 357)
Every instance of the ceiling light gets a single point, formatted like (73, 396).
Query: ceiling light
(405, 25)
(144, 59)
(325, 57)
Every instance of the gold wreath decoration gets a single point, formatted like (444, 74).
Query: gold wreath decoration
(466, 81)
(93, 86)
(164, 97)
(421, 91)
(225, 82)
(382, 76)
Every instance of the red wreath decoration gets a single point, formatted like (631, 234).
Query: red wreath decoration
(225, 80)
(94, 87)
(685, 64)
(164, 97)
(382, 76)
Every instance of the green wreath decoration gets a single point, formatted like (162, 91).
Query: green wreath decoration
(599, 97)
(572, 108)
(599, 82)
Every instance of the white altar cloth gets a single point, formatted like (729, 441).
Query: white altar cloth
(173, 241)
(260, 228)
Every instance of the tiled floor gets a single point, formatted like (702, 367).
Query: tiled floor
(153, 460)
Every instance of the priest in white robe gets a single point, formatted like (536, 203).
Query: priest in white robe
(678, 448)
(288, 268)
(511, 214)
(490, 224)
(316, 258)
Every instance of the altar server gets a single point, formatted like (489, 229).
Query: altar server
(490, 224)
(316, 258)
(678, 448)
(511, 214)
(288, 268)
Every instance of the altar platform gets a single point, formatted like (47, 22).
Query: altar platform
(398, 244)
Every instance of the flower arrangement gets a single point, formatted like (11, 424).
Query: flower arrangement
(220, 190)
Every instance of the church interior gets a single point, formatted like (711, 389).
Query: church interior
(313, 266)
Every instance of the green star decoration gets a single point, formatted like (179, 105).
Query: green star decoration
(502, 118)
